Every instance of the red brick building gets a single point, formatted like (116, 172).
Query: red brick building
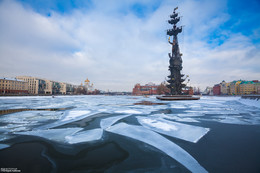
(152, 89)
(216, 89)
(148, 89)
(188, 91)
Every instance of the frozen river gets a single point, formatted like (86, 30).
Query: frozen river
(114, 134)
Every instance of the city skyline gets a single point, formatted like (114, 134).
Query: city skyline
(118, 44)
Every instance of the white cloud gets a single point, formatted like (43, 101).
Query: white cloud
(116, 50)
(229, 61)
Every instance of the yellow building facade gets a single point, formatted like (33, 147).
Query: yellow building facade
(13, 86)
(243, 87)
(33, 84)
(247, 87)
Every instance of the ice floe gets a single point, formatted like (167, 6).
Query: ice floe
(71, 115)
(179, 106)
(85, 136)
(107, 122)
(178, 130)
(4, 137)
(26, 120)
(58, 135)
(152, 138)
(233, 120)
(3, 146)
(174, 117)
(30, 117)
(68, 117)
(34, 102)
(129, 111)
(245, 119)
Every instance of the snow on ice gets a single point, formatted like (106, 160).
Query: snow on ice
(85, 136)
(107, 122)
(129, 111)
(178, 130)
(69, 116)
(250, 102)
(72, 115)
(58, 135)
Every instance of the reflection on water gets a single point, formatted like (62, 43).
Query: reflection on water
(9, 111)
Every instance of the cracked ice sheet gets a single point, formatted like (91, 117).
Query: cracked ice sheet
(147, 136)
(17, 127)
(107, 122)
(129, 111)
(250, 102)
(178, 130)
(149, 107)
(85, 136)
(69, 116)
(26, 120)
(32, 102)
(58, 135)
(178, 106)
(5, 137)
(233, 119)
(140, 109)
(30, 117)
(175, 117)
(117, 110)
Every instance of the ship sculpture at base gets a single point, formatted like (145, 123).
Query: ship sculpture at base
(175, 79)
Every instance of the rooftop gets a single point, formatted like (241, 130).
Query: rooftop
(12, 79)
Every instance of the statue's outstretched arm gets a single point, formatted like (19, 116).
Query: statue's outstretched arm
(169, 40)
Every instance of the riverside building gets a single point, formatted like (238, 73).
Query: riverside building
(247, 87)
(44, 86)
(239, 87)
(13, 86)
(148, 89)
(35, 85)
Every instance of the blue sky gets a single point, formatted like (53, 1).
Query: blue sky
(117, 44)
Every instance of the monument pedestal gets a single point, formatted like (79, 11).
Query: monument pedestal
(177, 97)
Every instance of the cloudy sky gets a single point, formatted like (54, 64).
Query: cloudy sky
(117, 43)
